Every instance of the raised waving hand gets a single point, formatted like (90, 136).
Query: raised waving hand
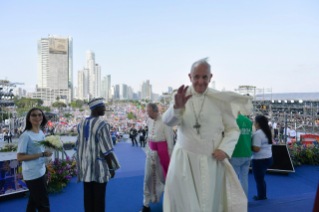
(181, 98)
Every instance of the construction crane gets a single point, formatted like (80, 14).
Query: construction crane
(7, 83)
(7, 87)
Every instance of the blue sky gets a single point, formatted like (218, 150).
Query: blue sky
(265, 43)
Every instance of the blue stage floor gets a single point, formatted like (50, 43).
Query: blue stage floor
(293, 193)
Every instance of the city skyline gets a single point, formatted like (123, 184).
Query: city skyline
(264, 44)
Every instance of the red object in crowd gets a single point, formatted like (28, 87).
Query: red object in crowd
(310, 136)
(63, 123)
(50, 124)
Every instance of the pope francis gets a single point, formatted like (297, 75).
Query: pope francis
(200, 177)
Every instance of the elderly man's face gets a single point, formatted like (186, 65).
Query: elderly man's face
(200, 78)
(151, 113)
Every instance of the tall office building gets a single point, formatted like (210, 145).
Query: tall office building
(94, 76)
(146, 90)
(106, 88)
(20, 91)
(117, 92)
(75, 92)
(170, 89)
(90, 65)
(111, 95)
(55, 69)
(83, 83)
(123, 92)
(130, 92)
(98, 80)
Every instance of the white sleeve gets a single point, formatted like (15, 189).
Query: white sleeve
(256, 140)
(172, 116)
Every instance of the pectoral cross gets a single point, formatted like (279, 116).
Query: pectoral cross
(197, 126)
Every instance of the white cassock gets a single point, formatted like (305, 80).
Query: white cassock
(154, 180)
(196, 181)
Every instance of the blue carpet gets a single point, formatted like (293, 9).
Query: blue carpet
(295, 192)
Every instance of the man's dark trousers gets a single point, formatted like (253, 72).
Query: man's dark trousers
(94, 196)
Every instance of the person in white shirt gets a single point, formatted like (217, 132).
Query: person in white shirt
(288, 131)
(262, 155)
(292, 133)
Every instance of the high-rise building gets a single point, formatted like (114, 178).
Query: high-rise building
(111, 96)
(130, 92)
(123, 92)
(20, 92)
(106, 88)
(170, 89)
(94, 76)
(55, 69)
(75, 93)
(117, 92)
(90, 64)
(98, 80)
(83, 83)
(146, 90)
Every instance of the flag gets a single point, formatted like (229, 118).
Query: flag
(63, 123)
(50, 124)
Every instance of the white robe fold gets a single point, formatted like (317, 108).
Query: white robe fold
(196, 181)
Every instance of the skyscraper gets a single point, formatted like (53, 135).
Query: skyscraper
(117, 92)
(97, 80)
(106, 87)
(146, 90)
(90, 64)
(94, 75)
(55, 69)
(170, 89)
(123, 92)
(83, 83)
(130, 92)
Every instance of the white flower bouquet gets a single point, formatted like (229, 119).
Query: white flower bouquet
(51, 143)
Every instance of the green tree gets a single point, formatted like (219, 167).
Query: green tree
(131, 116)
(47, 109)
(57, 98)
(68, 115)
(59, 104)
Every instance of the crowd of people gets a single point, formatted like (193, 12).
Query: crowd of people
(198, 152)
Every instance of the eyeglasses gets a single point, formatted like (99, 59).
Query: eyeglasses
(35, 115)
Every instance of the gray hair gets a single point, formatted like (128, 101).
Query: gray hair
(199, 62)
(153, 106)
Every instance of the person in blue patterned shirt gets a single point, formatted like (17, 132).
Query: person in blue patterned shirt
(96, 161)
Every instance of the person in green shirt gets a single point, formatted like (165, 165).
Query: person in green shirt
(240, 159)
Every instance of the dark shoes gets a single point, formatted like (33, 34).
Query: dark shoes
(145, 209)
(256, 198)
